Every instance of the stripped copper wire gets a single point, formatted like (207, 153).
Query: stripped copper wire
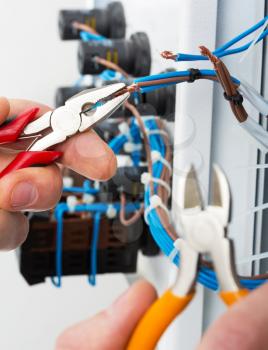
(168, 55)
(122, 214)
(111, 65)
(230, 88)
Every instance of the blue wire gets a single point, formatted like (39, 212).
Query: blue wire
(242, 35)
(222, 50)
(186, 73)
(98, 209)
(204, 72)
(85, 36)
(117, 143)
(107, 75)
(241, 48)
(206, 276)
(85, 189)
(94, 249)
(59, 211)
(135, 134)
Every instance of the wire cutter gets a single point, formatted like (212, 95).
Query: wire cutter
(80, 113)
(204, 233)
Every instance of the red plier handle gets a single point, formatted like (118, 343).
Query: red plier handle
(11, 132)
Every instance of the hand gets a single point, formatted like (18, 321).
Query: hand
(39, 188)
(243, 326)
(111, 328)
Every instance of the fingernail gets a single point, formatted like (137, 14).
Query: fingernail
(123, 299)
(90, 145)
(121, 303)
(24, 195)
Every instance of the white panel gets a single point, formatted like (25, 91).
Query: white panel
(231, 148)
(197, 25)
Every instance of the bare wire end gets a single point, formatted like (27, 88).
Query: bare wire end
(168, 55)
(206, 52)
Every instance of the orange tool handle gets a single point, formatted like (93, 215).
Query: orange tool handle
(230, 298)
(156, 320)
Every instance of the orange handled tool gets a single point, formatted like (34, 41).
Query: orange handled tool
(204, 231)
(157, 319)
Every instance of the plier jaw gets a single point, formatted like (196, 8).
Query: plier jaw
(99, 104)
(204, 231)
(79, 114)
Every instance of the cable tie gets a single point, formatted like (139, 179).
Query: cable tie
(71, 201)
(111, 211)
(130, 147)
(155, 202)
(88, 198)
(254, 41)
(146, 178)
(68, 181)
(157, 157)
(125, 130)
(237, 99)
(96, 185)
(173, 254)
(194, 74)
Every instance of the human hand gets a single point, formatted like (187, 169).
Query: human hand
(243, 326)
(39, 188)
(111, 328)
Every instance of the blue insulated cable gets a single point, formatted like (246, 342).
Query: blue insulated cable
(94, 248)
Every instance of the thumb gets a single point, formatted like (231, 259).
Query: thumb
(112, 328)
(243, 326)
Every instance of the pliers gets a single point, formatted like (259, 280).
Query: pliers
(80, 113)
(204, 233)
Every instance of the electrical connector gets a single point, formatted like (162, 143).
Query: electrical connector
(132, 55)
(109, 22)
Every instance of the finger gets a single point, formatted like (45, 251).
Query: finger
(4, 109)
(85, 153)
(110, 329)
(243, 327)
(31, 189)
(88, 155)
(13, 230)
(18, 106)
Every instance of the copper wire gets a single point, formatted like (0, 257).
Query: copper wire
(168, 55)
(111, 65)
(224, 79)
(122, 214)
(84, 27)
(164, 219)
(226, 82)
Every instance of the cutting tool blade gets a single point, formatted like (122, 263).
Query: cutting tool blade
(192, 193)
(220, 196)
